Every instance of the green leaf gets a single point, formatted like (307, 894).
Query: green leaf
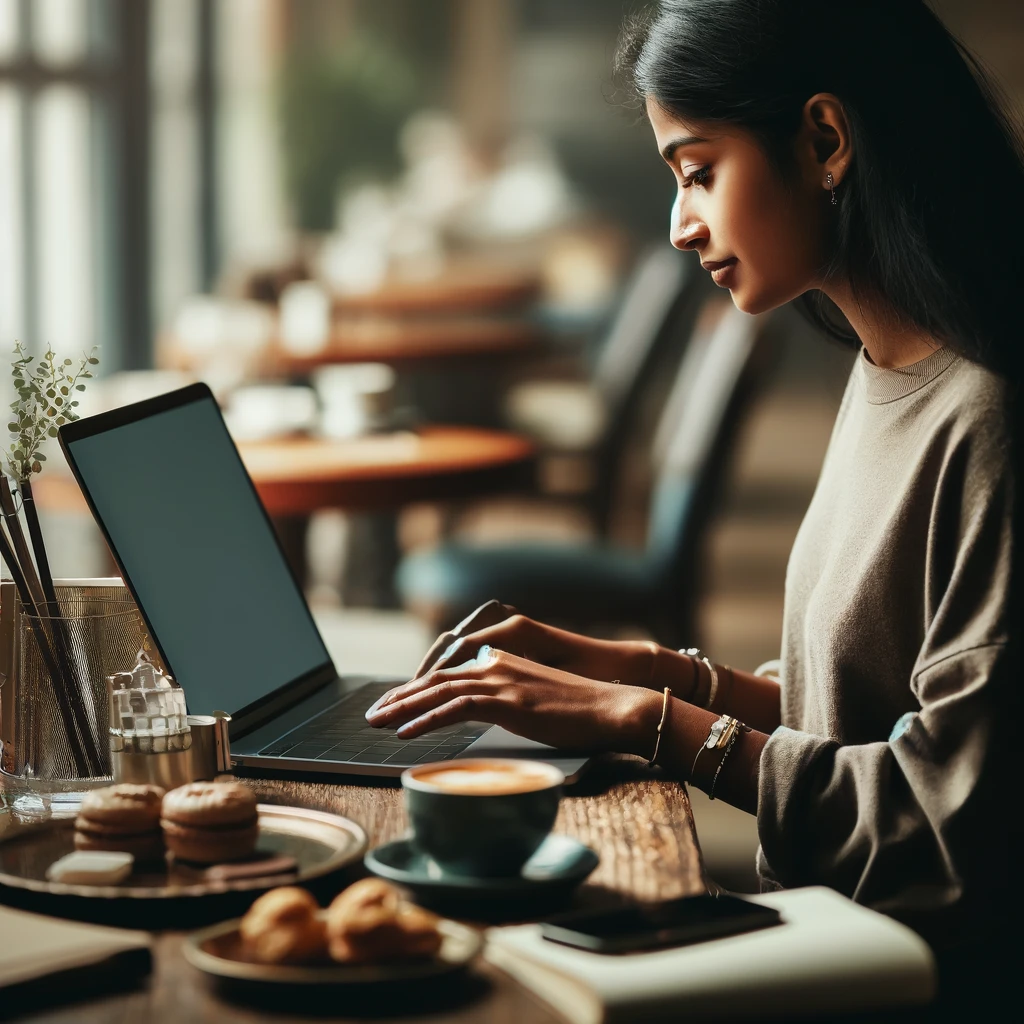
(63, 390)
(73, 404)
(67, 362)
(79, 387)
(50, 392)
(85, 373)
(93, 361)
(60, 422)
(52, 431)
(12, 427)
(58, 402)
(41, 458)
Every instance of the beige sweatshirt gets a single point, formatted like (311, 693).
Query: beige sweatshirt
(882, 781)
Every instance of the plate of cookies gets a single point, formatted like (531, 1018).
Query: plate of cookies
(206, 837)
(368, 934)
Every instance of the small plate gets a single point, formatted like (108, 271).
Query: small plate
(560, 863)
(321, 843)
(218, 951)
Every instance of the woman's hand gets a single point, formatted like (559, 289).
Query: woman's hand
(502, 627)
(537, 701)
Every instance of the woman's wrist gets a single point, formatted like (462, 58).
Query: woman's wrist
(640, 714)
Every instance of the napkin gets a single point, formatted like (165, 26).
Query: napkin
(66, 956)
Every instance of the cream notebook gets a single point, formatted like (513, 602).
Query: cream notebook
(33, 947)
(828, 955)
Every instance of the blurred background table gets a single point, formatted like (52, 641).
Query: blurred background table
(296, 477)
(640, 825)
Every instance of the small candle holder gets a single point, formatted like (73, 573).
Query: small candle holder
(150, 738)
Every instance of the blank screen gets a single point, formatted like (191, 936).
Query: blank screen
(201, 556)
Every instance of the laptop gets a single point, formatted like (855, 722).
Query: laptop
(197, 549)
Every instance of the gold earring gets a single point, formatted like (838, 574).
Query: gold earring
(830, 181)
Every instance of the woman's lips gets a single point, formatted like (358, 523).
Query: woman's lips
(721, 271)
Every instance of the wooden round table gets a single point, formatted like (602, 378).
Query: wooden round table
(303, 475)
(296, 477)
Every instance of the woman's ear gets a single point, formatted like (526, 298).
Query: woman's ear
(824, 145)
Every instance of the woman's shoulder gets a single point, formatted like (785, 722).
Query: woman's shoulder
(975, 402)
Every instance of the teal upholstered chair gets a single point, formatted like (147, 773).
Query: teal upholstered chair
(595, 417)
(601, 584)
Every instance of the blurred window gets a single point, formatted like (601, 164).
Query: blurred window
(74, 152)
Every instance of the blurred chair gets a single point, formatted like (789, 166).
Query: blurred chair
(654, 319)
(602, 584)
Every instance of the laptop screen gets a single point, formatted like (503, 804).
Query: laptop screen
(197, 550)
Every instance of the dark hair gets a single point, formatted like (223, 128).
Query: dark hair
(931, 212)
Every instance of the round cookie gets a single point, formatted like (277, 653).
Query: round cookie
(283, 926)
(210, 845)
(124, 804)
(202, 804)
(143, 846)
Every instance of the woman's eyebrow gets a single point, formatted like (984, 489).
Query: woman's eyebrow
(683, 140)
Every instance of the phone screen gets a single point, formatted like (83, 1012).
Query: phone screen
(668, 923)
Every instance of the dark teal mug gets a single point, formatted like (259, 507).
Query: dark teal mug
(482, 817)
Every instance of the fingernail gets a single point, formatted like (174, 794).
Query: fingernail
(484, 654)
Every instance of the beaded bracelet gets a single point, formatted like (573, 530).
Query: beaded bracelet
(737, 729)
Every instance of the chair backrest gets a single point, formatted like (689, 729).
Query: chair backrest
(653, 323)
(692, 445)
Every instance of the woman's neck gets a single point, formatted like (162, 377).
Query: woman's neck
(888, 342)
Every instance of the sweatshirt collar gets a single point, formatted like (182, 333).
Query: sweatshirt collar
(884, 384)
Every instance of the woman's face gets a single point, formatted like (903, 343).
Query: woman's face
(760, 237)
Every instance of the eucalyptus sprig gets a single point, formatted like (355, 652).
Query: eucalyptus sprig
(46, 401)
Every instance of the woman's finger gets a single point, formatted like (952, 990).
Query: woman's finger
(467, 707)
(442, 691)
(383, 711)
(488, 614)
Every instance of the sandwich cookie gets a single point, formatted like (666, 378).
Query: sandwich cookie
(210, 822)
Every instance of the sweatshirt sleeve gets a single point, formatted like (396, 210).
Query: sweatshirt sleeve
(913, 826)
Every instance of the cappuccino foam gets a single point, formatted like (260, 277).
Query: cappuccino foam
(486, 780)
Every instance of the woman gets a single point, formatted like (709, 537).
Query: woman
(850, 154)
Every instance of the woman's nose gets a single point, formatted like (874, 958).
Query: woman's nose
(687, 231)
(691, 235)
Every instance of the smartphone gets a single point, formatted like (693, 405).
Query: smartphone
(675, 922)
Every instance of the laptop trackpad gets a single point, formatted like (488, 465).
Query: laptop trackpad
(498, 742)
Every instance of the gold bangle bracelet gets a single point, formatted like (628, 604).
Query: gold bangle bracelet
(661, 725)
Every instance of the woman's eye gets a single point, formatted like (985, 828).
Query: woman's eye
(699, 177)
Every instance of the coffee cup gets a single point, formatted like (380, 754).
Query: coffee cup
(482, 817)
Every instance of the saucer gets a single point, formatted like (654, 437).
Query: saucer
(559, 865)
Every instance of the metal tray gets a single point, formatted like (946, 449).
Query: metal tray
(321, 843)
(218, 951)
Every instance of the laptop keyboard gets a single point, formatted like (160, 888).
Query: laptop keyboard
(341, 733)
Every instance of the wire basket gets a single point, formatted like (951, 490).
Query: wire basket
(60, 725)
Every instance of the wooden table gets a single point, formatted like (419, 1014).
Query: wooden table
(375, 339)
(639, 823)
(301, 476)
(296, 477)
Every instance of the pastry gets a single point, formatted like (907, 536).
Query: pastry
(210, 822)
(122, 818)
(370, 923)
(283, 926)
